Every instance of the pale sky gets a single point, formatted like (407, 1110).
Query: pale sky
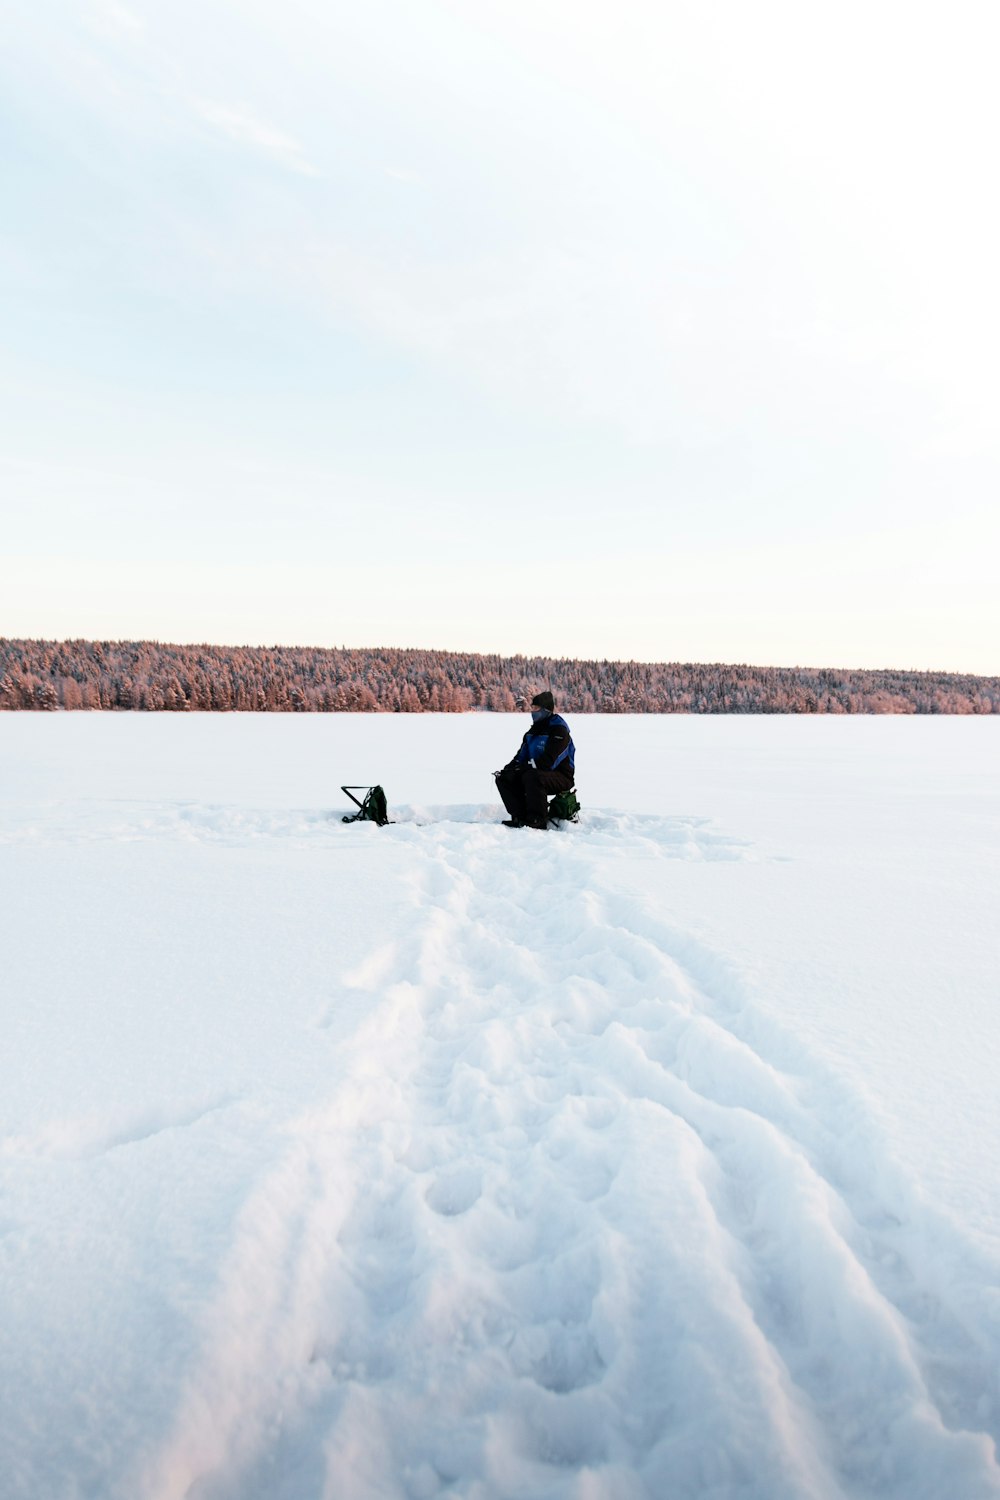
(655, 330)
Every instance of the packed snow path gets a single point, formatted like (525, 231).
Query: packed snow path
(569, 1229)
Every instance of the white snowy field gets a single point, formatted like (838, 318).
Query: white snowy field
(650, 1157)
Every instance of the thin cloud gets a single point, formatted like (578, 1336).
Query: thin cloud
(113, 16)
(246, 131)
(401, 174)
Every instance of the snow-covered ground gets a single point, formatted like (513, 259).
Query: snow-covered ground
(655, 1156)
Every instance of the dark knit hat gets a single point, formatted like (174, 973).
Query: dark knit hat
(544, 700)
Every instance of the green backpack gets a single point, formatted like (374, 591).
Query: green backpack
(564, 807)
(374, 808)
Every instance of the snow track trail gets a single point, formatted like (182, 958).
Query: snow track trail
(581, 1221)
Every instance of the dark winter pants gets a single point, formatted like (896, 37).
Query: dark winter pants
(525, 791)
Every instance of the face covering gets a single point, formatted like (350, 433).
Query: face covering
(539, 713)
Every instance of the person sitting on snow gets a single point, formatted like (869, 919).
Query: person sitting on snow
(542, 766)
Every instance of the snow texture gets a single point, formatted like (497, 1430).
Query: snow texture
(652, 1156)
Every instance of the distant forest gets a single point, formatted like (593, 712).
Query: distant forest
(285, 679)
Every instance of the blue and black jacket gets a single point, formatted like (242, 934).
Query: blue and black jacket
(549, 744)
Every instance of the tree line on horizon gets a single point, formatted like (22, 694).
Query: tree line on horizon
(153, 676)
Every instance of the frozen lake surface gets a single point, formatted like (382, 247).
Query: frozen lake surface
(655, 1156)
